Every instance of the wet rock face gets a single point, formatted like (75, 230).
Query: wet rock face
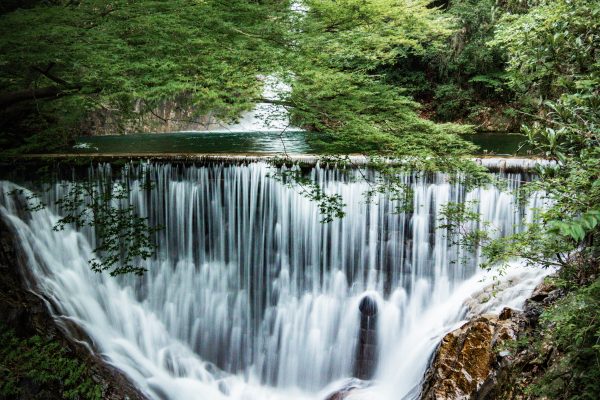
(544, 295)
(340, 394)
(466, 361)
(168, 116)
(368, 306)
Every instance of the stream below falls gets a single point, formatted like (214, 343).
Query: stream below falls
(251, 297)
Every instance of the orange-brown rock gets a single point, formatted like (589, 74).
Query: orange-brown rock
(466, 357)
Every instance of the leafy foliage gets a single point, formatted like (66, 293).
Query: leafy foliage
(338, 92)
(574, 327)
(459, 79)
(124, 239)
(46, 364)
(552, 48)
(578, 227)
(452, 102)
(69, 58)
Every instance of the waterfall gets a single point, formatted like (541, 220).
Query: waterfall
(266, 116)
(251, 297)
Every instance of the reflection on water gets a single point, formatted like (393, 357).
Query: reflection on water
(499, 143)
(292, 142)
(197, 142)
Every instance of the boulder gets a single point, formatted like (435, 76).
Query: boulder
(545, 294)
(466, 360)
(542, 291)
(340, 394)
(473, 362)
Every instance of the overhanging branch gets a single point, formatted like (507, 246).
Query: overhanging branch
(52, 77)
(50, 92)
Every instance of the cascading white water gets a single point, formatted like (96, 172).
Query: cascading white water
(267, 116)
(251, 297)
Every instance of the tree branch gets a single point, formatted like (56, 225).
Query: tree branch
(46, 93)
(50, 76)
(50, 92)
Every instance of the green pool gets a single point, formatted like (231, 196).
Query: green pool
(292, 142)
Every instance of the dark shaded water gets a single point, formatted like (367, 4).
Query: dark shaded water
(499, 143)
(197, 142)
(293, 142)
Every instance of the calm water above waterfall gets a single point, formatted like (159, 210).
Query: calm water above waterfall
(251, 297)
(252, 141)
(197, 142)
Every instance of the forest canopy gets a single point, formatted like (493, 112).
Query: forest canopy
(62, 60)
(65, 60)
(390, 78)
(380, 74)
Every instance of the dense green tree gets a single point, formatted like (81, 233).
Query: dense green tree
(65, 60)
(62, 60)
(553, 48)
(338, 92)
(554, 64)
(463, 79)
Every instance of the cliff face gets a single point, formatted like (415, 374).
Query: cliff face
(27, 315)
(169, 116)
